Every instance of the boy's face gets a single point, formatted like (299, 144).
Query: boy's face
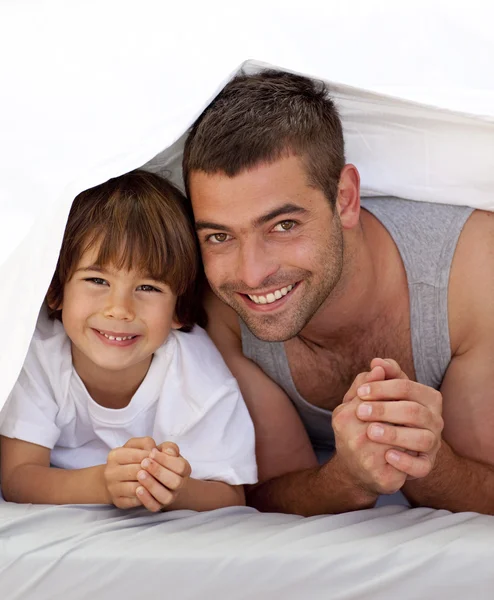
(116, 319)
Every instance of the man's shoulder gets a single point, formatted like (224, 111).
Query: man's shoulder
(223, 324)
(471, 286)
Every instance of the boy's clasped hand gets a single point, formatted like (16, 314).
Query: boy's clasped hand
(142, 473)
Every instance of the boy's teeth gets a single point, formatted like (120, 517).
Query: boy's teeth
(118, 339)
(272, 296)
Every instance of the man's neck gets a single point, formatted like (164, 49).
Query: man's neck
(111, 389)
(367, 289)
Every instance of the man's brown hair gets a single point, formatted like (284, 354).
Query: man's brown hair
(261, 118)
(140, 221)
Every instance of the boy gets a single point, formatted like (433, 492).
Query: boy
(119, 378)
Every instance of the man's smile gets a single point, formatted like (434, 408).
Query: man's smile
(274, 298)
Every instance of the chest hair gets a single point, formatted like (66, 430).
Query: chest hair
(322, 375)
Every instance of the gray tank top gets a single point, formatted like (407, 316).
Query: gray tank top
(426, 236)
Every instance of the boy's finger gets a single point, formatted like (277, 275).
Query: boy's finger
(126, 472)
(169, 448)
(127, 456)
(147, 500)
(126, 502)
(142, 443)
(168, 478)
(125, 489)
(162, 495)
(177, 464)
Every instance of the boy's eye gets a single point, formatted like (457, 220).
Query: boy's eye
(148, 288)
(284, 225)
(97, 280)
(218, 238)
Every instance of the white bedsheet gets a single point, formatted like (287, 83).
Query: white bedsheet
(101, 553)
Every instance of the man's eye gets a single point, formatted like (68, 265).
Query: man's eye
(97, 280)
(148, 288)
(284, 226)
(218, 238)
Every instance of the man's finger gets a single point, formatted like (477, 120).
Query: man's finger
(390, 367)
(400, 412)
(401, 389)
(414, 466)
(375, 374)
(408, 438)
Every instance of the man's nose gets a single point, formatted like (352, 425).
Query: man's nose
(255, 264)
(119, 306)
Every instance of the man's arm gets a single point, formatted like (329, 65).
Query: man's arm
(290, 479)
(462, 478)
(463, 475)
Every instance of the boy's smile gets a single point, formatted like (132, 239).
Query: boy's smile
(116, 319)
(114, 338)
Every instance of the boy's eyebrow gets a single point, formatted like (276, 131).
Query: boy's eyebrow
(288, 208)
(98, 268)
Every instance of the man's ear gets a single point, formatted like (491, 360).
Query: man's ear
(348, 200)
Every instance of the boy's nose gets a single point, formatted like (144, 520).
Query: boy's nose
(120, 308)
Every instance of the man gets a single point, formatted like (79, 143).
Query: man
(309, 288)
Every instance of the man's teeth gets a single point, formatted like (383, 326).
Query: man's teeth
(271, 297)
(118, 339)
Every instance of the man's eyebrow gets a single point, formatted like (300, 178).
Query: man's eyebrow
(262, 220)
(210, 225)
(286, 209)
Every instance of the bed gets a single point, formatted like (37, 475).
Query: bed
(101, 553)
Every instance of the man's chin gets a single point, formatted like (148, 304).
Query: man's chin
(267, 327)
(276, 331)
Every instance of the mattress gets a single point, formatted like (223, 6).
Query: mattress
(102, 553)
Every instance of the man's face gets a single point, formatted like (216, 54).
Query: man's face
(272, 245)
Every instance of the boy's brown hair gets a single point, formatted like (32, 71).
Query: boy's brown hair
(141, 222)
(261, 118)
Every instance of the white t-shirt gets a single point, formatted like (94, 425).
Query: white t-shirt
(188, 397)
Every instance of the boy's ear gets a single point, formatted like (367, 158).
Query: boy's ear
(51, 301)
(176, 323)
